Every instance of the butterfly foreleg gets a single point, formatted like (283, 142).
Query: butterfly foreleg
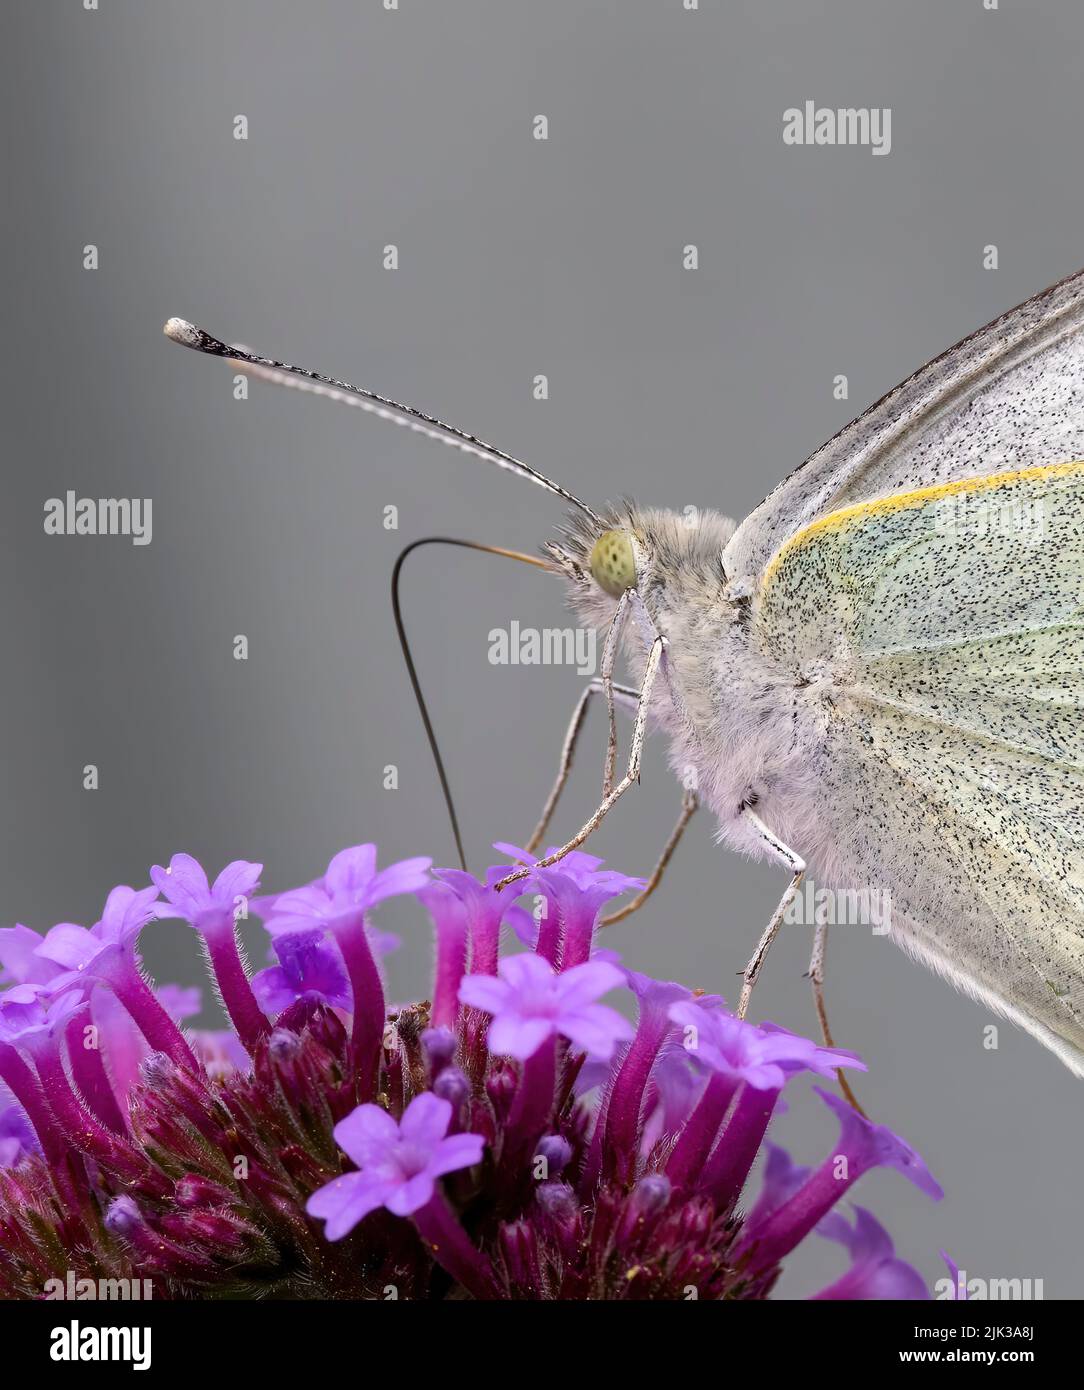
(623, 695)
(783, 854)
(632, 772)
(609, 656)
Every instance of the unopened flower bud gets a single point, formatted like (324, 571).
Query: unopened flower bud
(557, 1200)
(283, 1045)
(651, 1194)
(557, 1152)
(123, 1217)
(438, 1044)
(452, 1085)
(157, 1070)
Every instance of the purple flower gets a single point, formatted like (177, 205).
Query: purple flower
(622, 1127)
(584, 870)
(761, 1057)
(17, 1137)
(450, 925)
(398, 1164)
(89, 953)
(184, 884)
(29, 1018)
(866, 1145)
(781, 1180)
(352, 884)
(113, 1137)
(862, 1145)
(574, 890)
(486, 910)
(875, 1272)
(19, 958)
(530, 1003)
(180, 1001)
(107, 952)
(213, 910)
(309, 968)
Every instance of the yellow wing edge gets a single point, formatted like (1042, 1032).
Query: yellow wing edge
(897, 501)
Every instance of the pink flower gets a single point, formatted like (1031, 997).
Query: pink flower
(398, 1163)
(530, 1003)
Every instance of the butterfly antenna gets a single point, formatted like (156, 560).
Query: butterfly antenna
(302, 379)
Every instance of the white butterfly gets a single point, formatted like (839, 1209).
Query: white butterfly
(879, 674)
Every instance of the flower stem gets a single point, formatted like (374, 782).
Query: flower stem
(245, 1013)
(627, 1096)
(150, 1018)
(729, 1165)
(451, 930)
(367, 1028)
(89, 1074)
(26, 1088)
(686, 1164)
(791, 1223)
(82, 1128)
(452, 1249)
(533, 1102)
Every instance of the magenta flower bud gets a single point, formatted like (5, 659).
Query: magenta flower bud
(123, 1218)
(557, 1152)
(283, 1046)
(156, 1070)
(651, 1194)
(501, 1089)
(557, 1200)
(438, 1044)
(452, 1085)
(194, 1191)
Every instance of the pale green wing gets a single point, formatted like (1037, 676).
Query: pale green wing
(936, 639)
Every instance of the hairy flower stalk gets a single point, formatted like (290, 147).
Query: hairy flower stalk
(514, 1137)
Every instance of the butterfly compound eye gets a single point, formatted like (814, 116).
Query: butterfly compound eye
(613, 563)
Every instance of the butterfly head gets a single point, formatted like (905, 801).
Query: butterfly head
(668, 557)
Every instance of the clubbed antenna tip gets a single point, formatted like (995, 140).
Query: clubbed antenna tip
(189, 336)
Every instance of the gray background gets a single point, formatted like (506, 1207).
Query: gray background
(516, 257)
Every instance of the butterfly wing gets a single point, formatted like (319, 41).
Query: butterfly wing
(1009, 396)
(937, 640)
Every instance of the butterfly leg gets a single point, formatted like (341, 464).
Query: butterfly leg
(689, 803)
(632, 772)
(796, 864)
(609, 656)
(649, 632)
(816, 979)
(623, 695)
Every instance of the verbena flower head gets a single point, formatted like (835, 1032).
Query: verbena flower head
(548, 1125)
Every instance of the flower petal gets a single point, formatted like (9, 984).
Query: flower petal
(366, 1134)
(344, 1201)
(512, 1036)
(455, 1152)
(425, 1120)
(412, 1194)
